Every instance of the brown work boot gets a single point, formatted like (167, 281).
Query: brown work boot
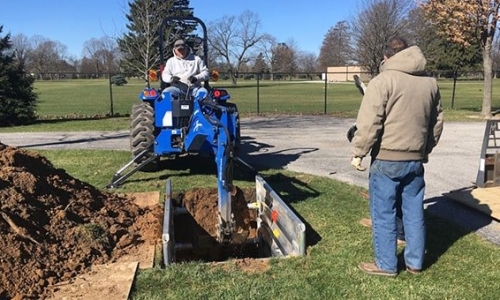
(372, 269)
(366, 222)
(413, 271)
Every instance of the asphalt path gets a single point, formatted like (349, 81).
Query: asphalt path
(318, 145)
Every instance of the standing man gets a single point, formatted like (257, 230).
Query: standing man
(186, 68)
(400, 121)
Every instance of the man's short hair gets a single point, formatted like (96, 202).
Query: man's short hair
(394, 45)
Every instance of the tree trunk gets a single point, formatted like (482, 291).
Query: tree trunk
(488, 75)
(234, 77)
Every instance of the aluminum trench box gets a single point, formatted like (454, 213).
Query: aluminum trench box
(280, 228)
(280, 231)
(167, 237)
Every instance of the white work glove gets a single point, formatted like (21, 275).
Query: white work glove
(356, 163)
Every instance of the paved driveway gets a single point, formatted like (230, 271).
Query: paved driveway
(318, 145)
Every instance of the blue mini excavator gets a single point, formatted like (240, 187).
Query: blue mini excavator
(167, 126)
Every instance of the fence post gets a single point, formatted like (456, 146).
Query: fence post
(326, 93)
(454, 87)
(258, 94)
(111, 96)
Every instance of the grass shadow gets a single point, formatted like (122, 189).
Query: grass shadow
(262, 157)
(104, 136)
(292, 190)
(476, 109)
(70, 118)
(447, 223)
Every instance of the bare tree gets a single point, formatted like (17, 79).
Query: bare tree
(336, 49)
(307, 62)
(265, 48)
(104, 54)
(22, 47)
(233, 38)
(495, 56)
(74, 64)
(375, 23)
(47, 57)
(87, 68)
(41, 56)
(91, 50)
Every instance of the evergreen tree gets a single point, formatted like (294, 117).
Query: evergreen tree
(17, 99)
(283, 60)
(260, 65)
(140, 45)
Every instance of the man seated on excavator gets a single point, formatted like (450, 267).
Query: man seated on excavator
(184, 71)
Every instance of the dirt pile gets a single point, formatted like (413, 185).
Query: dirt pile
(54, 227)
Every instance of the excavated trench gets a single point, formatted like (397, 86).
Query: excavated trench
(195, 227)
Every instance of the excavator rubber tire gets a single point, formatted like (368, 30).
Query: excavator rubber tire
(142, 134)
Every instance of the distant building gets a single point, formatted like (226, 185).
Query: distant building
(345, 73)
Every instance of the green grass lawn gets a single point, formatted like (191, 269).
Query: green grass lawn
(459, 264)
(89, 101)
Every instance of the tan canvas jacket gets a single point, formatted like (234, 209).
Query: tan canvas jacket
(400, 117)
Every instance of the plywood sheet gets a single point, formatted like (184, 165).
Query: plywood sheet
(110, 282)
(485, 200)
(145, 199)
(145, 252)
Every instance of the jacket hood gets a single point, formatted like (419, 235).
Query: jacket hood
(188, 55)
(410, 60)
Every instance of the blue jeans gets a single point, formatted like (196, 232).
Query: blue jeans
(390, 181)
(175, 91)
(399, 220)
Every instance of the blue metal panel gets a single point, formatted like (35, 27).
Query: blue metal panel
(163, 142)
(163, 106)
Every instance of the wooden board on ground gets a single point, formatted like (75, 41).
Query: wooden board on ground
(485, 200)
(145, 253)
(110, 282)
(145, 199)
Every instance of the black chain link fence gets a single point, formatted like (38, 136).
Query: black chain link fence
(73, 95)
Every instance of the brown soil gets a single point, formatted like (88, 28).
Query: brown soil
(201, 203)
(199, 227)
(54, 227)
